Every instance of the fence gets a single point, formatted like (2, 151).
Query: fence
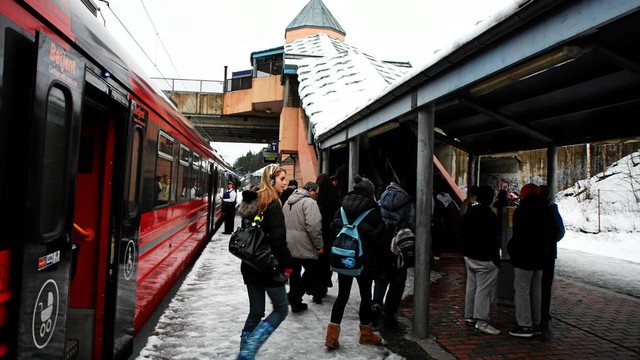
(602, 211)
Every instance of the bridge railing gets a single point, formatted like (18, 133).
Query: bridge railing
(190, 85)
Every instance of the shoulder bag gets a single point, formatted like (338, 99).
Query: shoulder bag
(250, 244)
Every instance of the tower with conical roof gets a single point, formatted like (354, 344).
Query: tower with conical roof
(313, 19)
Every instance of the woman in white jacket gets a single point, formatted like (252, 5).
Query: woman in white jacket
(304, 240)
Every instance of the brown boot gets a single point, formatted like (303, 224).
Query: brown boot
(333, 332)
(367, 336)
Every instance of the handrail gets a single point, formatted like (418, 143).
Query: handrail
(88, 233)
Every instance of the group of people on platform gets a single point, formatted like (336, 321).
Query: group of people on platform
(532, 250)
(302, 228)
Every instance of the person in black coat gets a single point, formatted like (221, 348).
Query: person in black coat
(528, 249)
(550, 264)
(266, 204)
(329, 202)
(481, 249)
(371, 231)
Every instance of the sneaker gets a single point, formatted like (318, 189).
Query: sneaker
(536, 330)
(522, 331)
(470, 321)
(486, 328)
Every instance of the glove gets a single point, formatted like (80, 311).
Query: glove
(287, 272)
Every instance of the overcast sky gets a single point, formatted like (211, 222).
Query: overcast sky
(195, 39)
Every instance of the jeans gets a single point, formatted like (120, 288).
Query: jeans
(278, 296)
(482, 281)
(344, 291)
(527, 284)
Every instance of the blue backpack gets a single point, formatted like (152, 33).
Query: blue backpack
(346, 254)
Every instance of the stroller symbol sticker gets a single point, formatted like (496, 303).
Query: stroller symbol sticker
(45, 314)
(129, 259)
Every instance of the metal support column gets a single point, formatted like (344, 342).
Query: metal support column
(552, 170)
(424, 197)
(354, 159)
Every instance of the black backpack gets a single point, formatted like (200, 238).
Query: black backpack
(346, 255)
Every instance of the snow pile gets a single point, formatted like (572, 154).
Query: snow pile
(607, 202)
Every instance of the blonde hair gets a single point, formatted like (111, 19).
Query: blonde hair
(267, 192)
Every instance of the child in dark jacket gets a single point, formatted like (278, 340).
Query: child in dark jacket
(371, 231)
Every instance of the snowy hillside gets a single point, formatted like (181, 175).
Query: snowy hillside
(608, 202)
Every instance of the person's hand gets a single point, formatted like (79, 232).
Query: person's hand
(319, 251)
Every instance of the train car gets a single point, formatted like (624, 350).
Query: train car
(109, 191)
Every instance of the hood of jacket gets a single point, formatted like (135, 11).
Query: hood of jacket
(356, 202)
(248, 209)
(297, 195)
(393, 198)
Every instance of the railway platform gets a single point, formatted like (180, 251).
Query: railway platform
(587, 322)
(202, 318)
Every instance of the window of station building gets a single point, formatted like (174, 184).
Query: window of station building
(164, 167)
(182, 186)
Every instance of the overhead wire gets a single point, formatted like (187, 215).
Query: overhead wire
(157, 34)
(172, 64)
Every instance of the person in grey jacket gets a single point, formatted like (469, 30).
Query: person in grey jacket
(304, 239)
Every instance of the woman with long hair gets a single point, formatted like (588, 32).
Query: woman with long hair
(265, 203)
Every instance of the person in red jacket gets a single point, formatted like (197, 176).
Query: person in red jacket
(528, 249)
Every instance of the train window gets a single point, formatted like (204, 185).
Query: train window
(197, 190)
(54, 176)
(164, 166)
(182, 187)
(205, 175)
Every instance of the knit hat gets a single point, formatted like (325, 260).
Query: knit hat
(528, 190)
(364, 185)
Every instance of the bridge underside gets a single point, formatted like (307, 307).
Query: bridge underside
(242, 129)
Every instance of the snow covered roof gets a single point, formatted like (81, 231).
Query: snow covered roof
(336, 78)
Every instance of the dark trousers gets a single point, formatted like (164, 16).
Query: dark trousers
(229, 218)
(547, 281)
(344, 291)
(299, 282)
(395, 282)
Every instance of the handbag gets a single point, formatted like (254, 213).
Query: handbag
(249, 243)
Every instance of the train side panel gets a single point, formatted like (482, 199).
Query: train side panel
(96, 240)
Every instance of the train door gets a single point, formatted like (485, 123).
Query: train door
(212, 191)
(122, 261)
(46, 250)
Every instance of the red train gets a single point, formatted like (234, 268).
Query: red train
(110, 191)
